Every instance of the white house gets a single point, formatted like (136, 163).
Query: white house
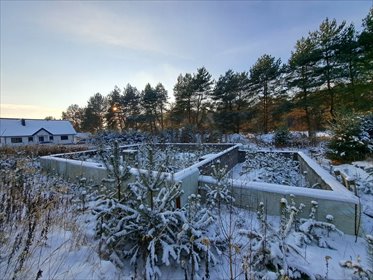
(16, 132)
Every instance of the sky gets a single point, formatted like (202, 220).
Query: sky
(57, 53)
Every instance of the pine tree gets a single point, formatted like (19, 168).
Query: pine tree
(303, 78)
(328, 39)
(202, 86)
(262, 82)
(162, 96)
(366, 42)
(114, 115)
(231, 98)
(144, 227)
(183, 91)
(93, 118)
(131, 106)
(74, 114)
(149, 102)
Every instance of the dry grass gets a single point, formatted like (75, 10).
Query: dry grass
(32, 211)
(41, 150)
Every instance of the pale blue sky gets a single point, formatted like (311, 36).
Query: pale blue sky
(57, 53)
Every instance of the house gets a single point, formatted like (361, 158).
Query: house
(16, 132)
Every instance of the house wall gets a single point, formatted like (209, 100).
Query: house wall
(6, 141)
(57, 139)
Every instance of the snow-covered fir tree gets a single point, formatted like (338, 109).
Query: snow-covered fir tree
(144, 227)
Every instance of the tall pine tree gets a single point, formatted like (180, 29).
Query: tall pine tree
(263, 77)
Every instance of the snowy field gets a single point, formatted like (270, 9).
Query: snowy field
(52, 229)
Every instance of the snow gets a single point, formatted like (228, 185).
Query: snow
(283, 189)
(14, 127)
(72, 249)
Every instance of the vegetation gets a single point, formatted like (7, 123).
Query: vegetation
(329, 70)
(352, 139)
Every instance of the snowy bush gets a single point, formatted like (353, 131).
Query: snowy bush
(358, 271)
(268, 251)
(274, 168)
(316, 231)
(367, 186)
(352, 138)
(117, 168)
(282, 137)
(143, 228)
(219, 193)
(195, 242)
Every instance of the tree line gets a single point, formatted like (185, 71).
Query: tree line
(329, 71)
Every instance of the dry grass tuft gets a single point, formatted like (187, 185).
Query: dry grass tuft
(41, 150)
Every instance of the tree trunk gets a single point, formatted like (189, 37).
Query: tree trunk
(265, 105)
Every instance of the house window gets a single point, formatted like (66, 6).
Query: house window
(31, 139)
(41, 138)
(64, 137)
(16, 140)
(51, 138)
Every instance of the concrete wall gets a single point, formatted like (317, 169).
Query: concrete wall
(312, 176)
(334, 200)
(248, 195)
(73, 169)
(229, 158)
(189, 183)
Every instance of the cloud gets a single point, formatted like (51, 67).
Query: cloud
(28, 111)
(97, 24)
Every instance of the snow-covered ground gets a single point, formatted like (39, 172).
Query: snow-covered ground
(62, 244)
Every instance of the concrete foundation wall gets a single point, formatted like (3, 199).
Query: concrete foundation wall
(229, 159)
(334, 199)
(73, 169)
(248, 195)
(189, 184)
(312, 176)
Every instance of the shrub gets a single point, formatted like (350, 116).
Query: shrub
(351, 137)
(282, 137)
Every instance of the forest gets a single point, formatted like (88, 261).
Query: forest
(329, 74)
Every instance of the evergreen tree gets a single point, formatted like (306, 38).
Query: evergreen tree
(195, 242)
(202, 87)
(231, 98)
(144, 227)
(183, 91)
(74, 114)
(93, 118)
(262, 83)
(328, 39)
(114, 115)
(162, 96)
(149, 103)
(131, 106)
(191, 96)
(303, 78)
(366, 43)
